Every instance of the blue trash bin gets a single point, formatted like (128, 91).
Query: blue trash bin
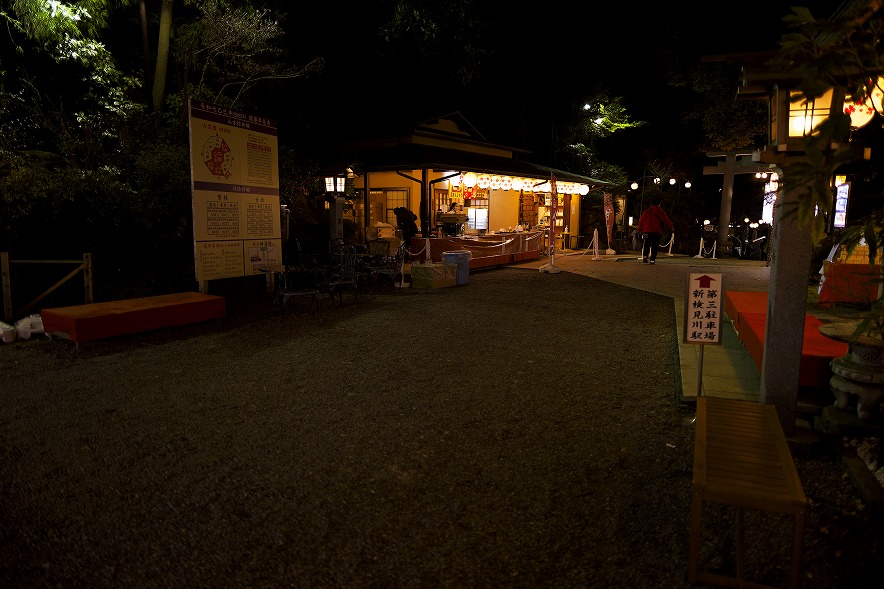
(461, 259)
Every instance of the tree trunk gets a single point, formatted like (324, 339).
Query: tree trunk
(159, 78)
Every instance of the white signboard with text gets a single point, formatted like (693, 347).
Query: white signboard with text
(235, 172)
(704, 309)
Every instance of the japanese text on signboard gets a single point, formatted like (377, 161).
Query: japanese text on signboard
(703, 309)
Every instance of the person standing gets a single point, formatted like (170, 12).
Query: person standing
(651, 225)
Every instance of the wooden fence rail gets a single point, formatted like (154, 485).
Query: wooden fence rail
(84, 266)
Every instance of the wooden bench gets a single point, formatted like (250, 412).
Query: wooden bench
(81, 323)
(742, 459)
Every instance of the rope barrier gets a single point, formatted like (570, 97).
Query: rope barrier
(595, 245)
(704, 253)
(671, 241)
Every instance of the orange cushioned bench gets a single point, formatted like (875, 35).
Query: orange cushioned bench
(748, 311)
(81, 323)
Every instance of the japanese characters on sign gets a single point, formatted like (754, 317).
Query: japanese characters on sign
(704, 300)
(235, 173)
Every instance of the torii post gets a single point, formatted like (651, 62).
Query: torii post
(729, 167)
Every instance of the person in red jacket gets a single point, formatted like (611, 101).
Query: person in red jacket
(651, 225)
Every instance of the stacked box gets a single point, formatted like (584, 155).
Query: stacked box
(433, 275)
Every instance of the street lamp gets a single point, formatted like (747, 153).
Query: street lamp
(334, 186)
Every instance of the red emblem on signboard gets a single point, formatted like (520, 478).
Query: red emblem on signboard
(217, 156)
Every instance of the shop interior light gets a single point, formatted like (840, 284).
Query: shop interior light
(469, 179)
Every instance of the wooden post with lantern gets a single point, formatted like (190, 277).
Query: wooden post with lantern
(792, 121)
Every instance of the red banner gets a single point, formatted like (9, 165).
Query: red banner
(609, 217)
(553, 211)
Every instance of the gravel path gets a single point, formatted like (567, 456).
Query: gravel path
(518, 431)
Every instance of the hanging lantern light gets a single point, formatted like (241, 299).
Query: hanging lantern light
(495, 182)
(861, 112)
(584, 189)
(483, 181)
(506, 182)
(878, 95)
(469, 179)
(456, 180)
(518, 183)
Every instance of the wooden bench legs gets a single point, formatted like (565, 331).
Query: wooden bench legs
(695, 574)
(742, 459)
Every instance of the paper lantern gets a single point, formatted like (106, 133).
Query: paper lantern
(861, 112)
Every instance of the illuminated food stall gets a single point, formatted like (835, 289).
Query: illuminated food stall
(468, 194)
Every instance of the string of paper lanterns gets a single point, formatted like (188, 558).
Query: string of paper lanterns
(495, 182)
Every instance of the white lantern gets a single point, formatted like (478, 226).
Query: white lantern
(469, 179)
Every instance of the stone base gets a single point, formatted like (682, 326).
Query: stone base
(867, 396)
(839, 427)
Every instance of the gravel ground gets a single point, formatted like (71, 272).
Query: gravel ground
(519, 431)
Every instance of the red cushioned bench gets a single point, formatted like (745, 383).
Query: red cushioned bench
(81, 323)
(748, 311)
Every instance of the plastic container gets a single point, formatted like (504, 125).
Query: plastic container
(7, 332)
(461, 259)
(32, 324)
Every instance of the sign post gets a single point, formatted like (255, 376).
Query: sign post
(704, 296)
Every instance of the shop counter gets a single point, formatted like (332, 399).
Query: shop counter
(493, 249)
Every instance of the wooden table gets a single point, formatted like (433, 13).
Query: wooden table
(741, 458)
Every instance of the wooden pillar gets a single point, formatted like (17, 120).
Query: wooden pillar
(366, 213)
(786, 309)
(7, 286)
(727, 197)
(426, 214)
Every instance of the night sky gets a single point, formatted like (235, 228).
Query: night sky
(543, 61)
